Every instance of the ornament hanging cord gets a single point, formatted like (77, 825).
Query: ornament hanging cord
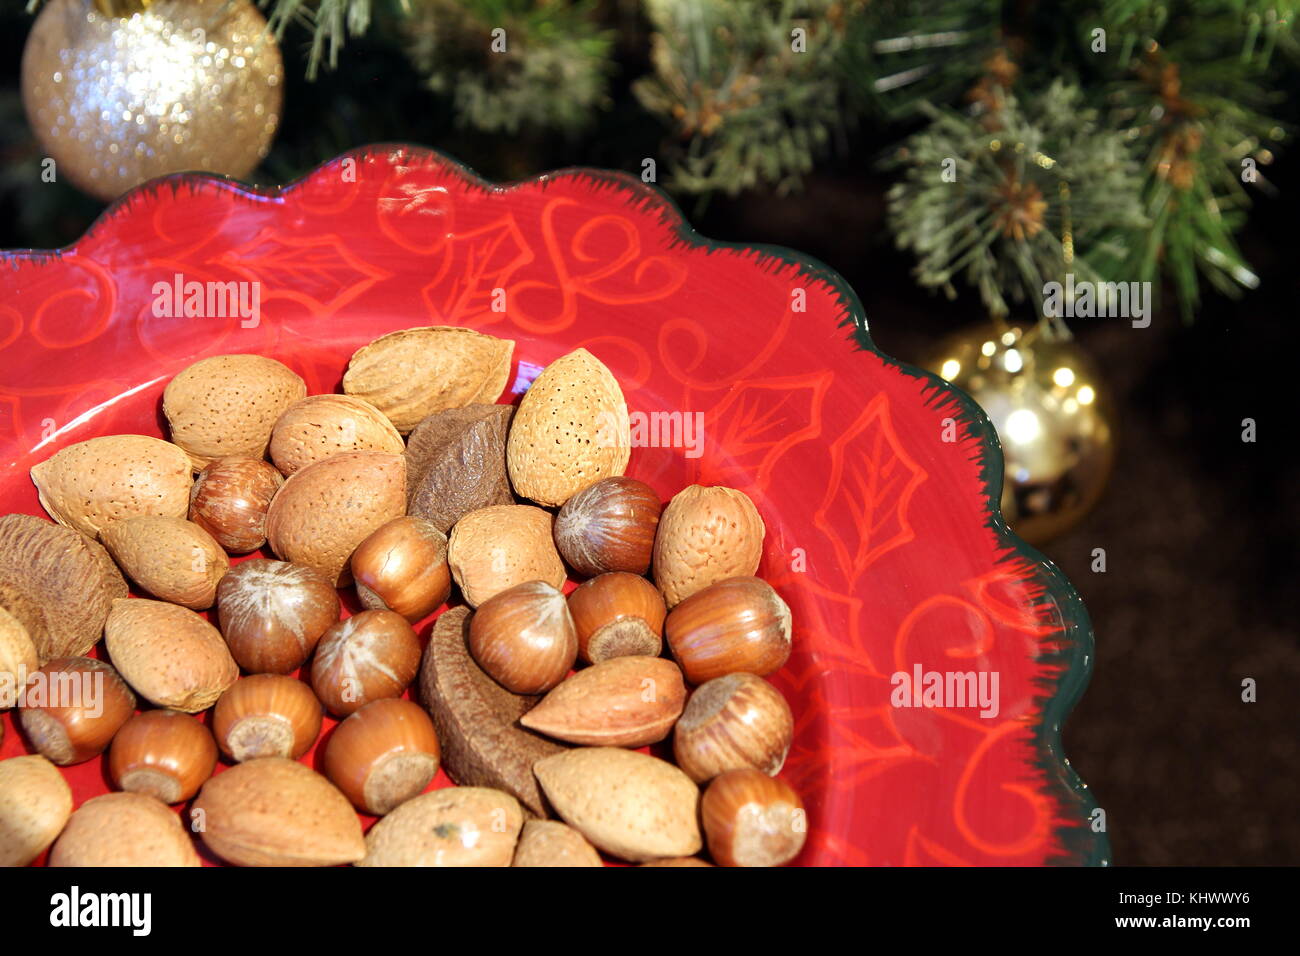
(1052, 328)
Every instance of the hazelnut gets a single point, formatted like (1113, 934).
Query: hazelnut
(162, 753)
(524, 637)
(730, 723)
(739, 624)
(617, 614)
(272, 613)
(402, 567)
(230, 499)
(73, 706)
(751, 819)
(382, 755)
(369, 656)
(609, 526)
(266, 715)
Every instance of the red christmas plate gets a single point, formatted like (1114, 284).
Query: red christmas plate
(935, 654)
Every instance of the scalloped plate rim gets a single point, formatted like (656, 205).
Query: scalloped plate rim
(1077, 653)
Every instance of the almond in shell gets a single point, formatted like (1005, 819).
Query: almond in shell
(704, 536)
(572, 429)
(57, 583)
(171, 558)
(18, 658)
(169, 655)
(493, 549)
(551, 843)
(325, 510)
(411, 374)
(89, 485)
(319, 426)
(622, 702)
(276, 812)
(35, 803)
(629, 804)
(226, 405)
(455, 826)
(124, 829)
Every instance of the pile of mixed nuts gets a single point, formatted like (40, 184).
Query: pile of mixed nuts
(502, 503)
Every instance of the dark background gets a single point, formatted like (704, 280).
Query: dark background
(1200, 529)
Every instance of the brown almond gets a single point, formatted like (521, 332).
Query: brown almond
(410, 374)
(89, 485)
(275, 812)
(456, 463)
(704, 536)
(626, 803)
(57, 583)
(226, 405)
(325, 510)
(173, 559)
(493, 549)
(572, 429)
(455, 826)
(169, 655)
(477, 719)
(35, 803)
(622, 702)
(551, 843)
(124, 829)
(319, 426)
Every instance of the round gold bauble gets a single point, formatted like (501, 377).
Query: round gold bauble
(1052, 415)
(182, 85)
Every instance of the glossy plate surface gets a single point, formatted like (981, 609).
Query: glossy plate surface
(878, 482)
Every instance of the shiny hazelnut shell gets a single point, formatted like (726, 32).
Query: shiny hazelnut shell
(272, 614)
(402, 566)
(524, 637)
(72, 707)
(383, 754)
(738, 624)
(615, 615)
(230, 499)
(751, 819)
(163, 753)
(609, 526)
(369, 656)
(738, 721)
(266, 715)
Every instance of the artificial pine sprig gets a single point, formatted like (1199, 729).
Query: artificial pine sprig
(1193, 87)
(749, 88)
(1012, 198)
(900, 53)
(547, 68)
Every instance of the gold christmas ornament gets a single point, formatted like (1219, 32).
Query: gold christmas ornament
(121, 91)
(1052, 416)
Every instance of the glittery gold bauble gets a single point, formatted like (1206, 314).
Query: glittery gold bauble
(1052, 417)
(183, 85)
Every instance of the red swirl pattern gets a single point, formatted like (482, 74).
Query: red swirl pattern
(879, 533)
